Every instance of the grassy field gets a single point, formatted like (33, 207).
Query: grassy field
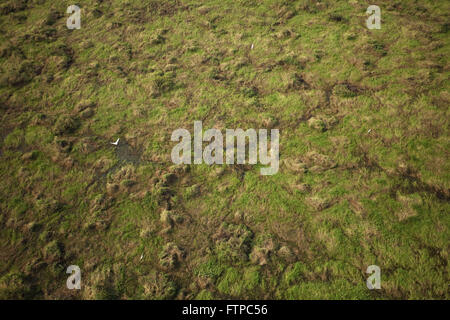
(364, 174)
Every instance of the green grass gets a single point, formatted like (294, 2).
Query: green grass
(364, 175)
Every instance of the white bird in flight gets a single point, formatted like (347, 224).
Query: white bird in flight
(116, 143)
